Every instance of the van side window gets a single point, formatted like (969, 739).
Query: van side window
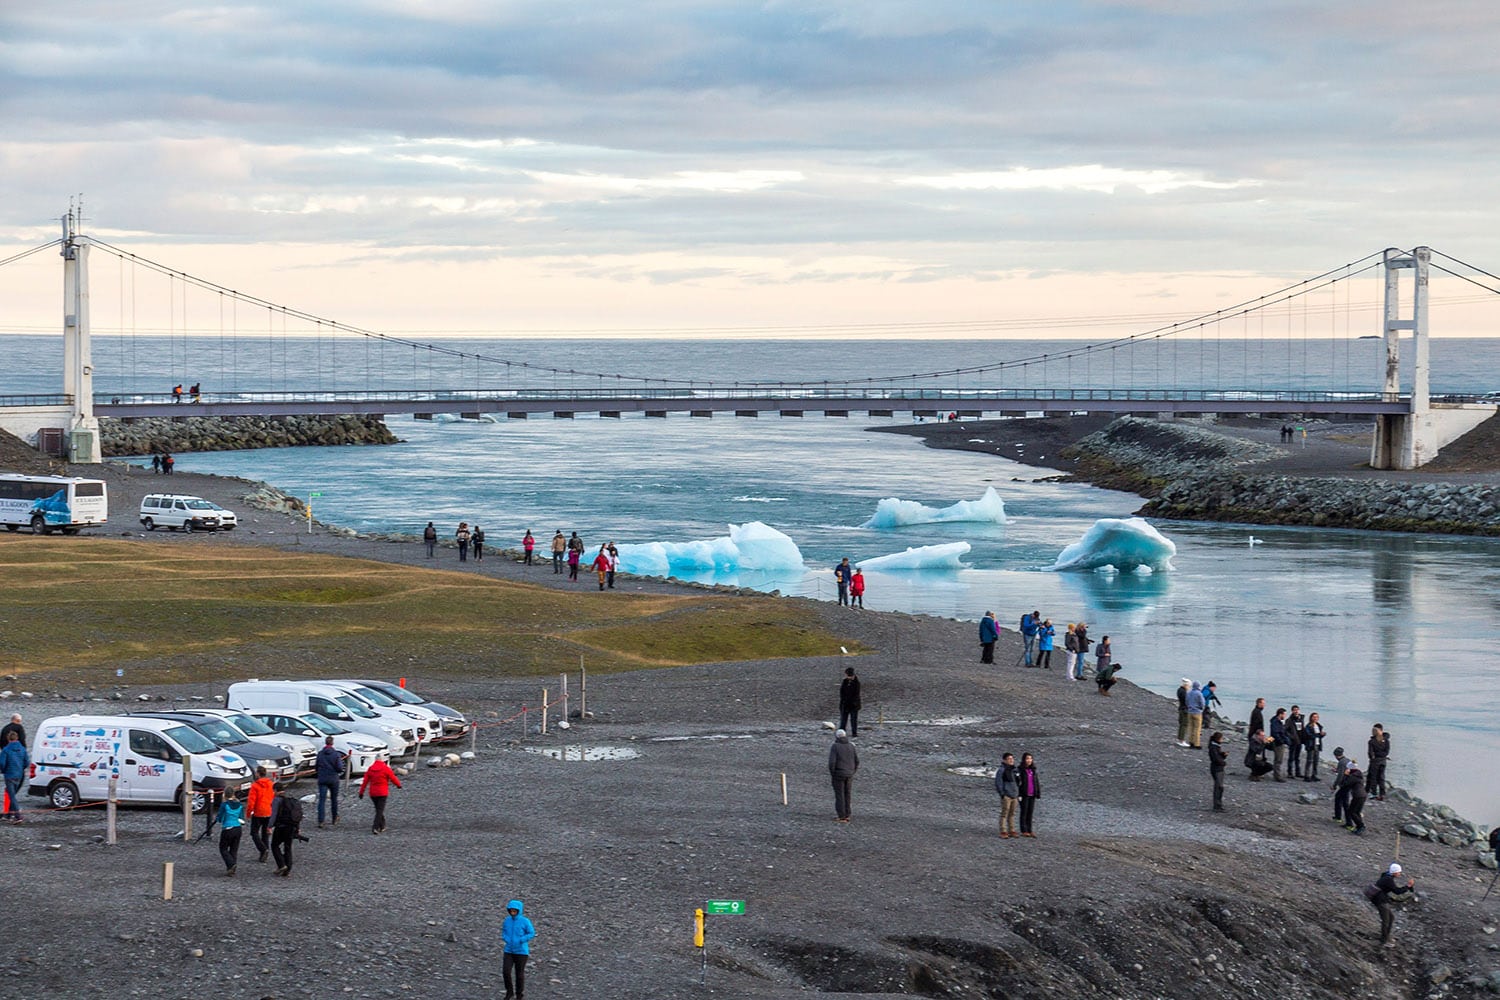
(324, 707)
(149, 745)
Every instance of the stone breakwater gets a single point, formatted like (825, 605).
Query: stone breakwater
(149, 435)
(1191, 472)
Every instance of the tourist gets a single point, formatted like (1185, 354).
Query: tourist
(1278, 742)
(429, 536)
(1258, 717)
(601, 564)
(13, 726)
(989, 632)
(1070, 650)
(843, 762)
(614, 565)
(1045, 635)
(378, 781)
(286, 828)
(1008, 784)
(1029, 625)
(575, 556)
(517, 932)
(155, 463)
(849, 703)
(559, 546)
(1031, 791)
(1354, 806)
(231, 828)
(1380, 751)
(841, 574)
(330, 769)
(1340, 794)
(1255, 756)
(1312, 747)
(1294, 723)
(476, 539)
(463, 536)
(1195, 717)
(1103, 655)
(196, 393)
(258, 804)
(1495, 841)
(1104, 675)
(857, 589)
(1211, 698)
(168, 463)
(1387, 891)
(177, 393)
(14, 762)
(1182, 712)
(528, 542)
(1083, 642)
(1217, 761)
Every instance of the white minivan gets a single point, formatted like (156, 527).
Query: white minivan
(330, 702)
(178, 510)
(74, 756)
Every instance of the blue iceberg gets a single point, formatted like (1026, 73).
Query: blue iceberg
(945, 556)
(895, 513)
(753, 547)
(1120, 544)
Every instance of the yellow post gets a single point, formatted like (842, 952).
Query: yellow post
(698, 927)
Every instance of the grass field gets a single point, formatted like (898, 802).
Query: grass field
(77, 610)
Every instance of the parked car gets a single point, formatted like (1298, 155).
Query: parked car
(178, 510)
(74, 756)
(362, 750)
(228, 519)
(333, 704)
(455, 725)
(429, 726)
(304, 751)
(275, 760)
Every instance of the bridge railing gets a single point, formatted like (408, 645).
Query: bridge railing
(53, 399)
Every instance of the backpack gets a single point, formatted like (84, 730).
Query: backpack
(290, 813)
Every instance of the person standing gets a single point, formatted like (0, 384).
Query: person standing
(13, 726)
(857, 589)
(429, 538)
(231, 828)
(559, 546)
(155, 463)
(168, 463)
(14, 760)
(258, 804)
(1008, 784)
(843, 762)
(1195, 716)
(1380, 752)
(1083, 642)
(1312, 747)
(575, 556)
(1031, 791)
(1217, 761)
(286, 827)
(476, 539)
(1045, 637)
(517, 932)
(1258, 717)
(1104, 654)
(1029, 624)
(849, 703)
(1294, 724)
(1070, 650)
(614, 565)
(330, 767)
(601, 565)
(1354, 807)
(575, 547)
(1278, 743)
(528, 543)
(378, 781)
(989, 632)
(1182, 712)
(841, 574)
(463, 536)
(1380, 895)
(1210, 698)
(1340, 793)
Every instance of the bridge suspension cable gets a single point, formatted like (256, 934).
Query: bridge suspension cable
(27, 253)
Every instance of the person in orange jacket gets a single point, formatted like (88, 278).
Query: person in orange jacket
(258, 805)
(377, 782)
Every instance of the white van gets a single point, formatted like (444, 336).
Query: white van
(178, 510)
(429, 725)
(75, 755)
(330, 702)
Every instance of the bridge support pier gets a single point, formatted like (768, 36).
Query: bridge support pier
(78, 364)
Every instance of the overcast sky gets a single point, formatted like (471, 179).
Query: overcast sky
(456, 165)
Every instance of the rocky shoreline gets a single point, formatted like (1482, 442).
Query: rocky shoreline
(149, 435)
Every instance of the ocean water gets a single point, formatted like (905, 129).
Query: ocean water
(1359, 626)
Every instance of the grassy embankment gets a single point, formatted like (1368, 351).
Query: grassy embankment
(75, 610)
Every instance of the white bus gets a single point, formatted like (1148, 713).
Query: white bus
(51, 503)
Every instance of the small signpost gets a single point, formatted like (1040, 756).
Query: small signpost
(718, 907)
(309, 510)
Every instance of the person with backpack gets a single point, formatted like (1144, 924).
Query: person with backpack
(1008, 786)
(429, 538)
(286, 828)
(1384, 892)
(517, 932)
(378, 781)
(477, 540)
(1029, 626)
(231, 828)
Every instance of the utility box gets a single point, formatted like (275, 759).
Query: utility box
(83, 446)
(49, 441)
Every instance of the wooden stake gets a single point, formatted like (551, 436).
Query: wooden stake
(544, 711)
(583, 689)
(474, 737)
(187, 802)
(563, 684)
(783, 788)
(1398, 843)
(110, 805)
(166, 880)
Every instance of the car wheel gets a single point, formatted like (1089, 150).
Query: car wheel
(187, 527)
(39, 525)
(64, 795)
(150, 524)
(12, 527)
(228, 527)
(200, 800)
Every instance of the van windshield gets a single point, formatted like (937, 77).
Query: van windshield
(402, 695)
(250, 727)
(220, 732)
(356, 707)
(322, 725)
(190, 740)
(378, 697)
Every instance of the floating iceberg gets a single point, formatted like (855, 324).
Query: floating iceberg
(1124, 545)
(944, 556)
(895, 513)
(748, 547)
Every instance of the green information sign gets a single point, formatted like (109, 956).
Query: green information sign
(733, 907)
(315, 494)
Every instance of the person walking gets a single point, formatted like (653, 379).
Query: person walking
(13, 726)
(14, 760)
(559, 546)
(1380, 752)
(849, 703)
(857, 589)
(330, 768)
(841, 574)
(1383, 894)
(528, 543)
(1029, 625)
(1195, 717)
(1217, 760)
(614, 565)
(989, 632)
(1070, 650)
(1354, 807)
(575, 556)
(516, 932)
(378, 781)
(843, 762)
(429, 538)
(258, 805)
(601, 565)
(1008, 784)
(1104, 676)
(231, 828)
(1103, 655)
(476, 539)
(1182, 712)
(1312, 747)
(1045, 637)
(463, 536)
(286, 828)
(1031, 791)
(168, 463)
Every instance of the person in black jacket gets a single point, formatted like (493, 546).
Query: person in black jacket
(13, 726)
(1380, 750)
(1340, 794)
(1354, 807)
(1381, 897)
(1294, 722)
(1312, 747)
(1031, 791)
(1255, 756)
(843, 762)
(849, 703)
(1217, 759)
(286, 828)
(330, 772)
(1258, 717)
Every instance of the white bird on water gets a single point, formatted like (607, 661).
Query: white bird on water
(1256, 541)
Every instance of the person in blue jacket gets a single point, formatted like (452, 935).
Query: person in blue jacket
(1045, 634)
(989, 633)
(517, 932)
(1029, 625)
(841, 575)
(14, 760)
(231, 828)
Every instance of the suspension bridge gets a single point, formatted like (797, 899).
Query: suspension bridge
(1226, 352)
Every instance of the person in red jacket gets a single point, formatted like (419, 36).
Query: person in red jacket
(258, 805)
(378, 783)
(857, 589)
(601, 564)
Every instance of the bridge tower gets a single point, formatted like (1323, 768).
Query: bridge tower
(1405, 440)
(78, 364)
